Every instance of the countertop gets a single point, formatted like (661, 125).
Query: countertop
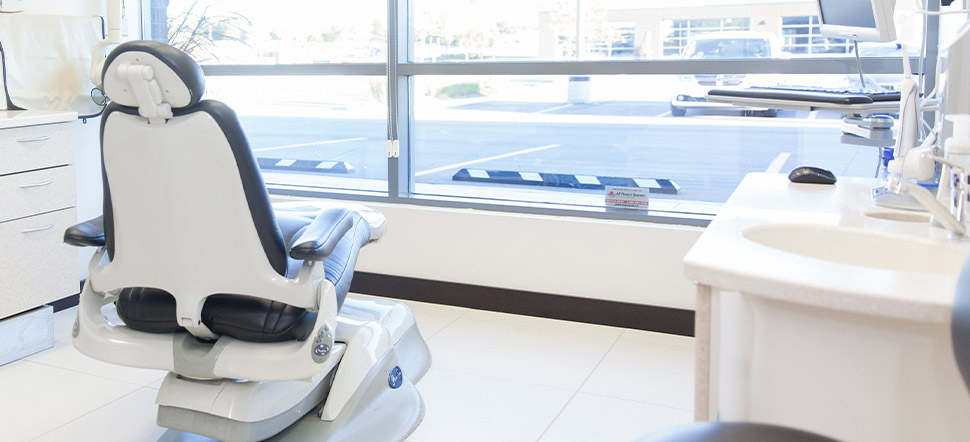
(724, 259)
(18, 118)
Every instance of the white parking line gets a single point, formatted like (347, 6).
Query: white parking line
(482, 160)
(813, 115)
(315, 143)
(665, 114)
(778, 163)
(554, 108)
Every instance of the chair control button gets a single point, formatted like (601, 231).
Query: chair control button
(322, 345)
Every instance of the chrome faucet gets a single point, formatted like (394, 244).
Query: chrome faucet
(954, 218)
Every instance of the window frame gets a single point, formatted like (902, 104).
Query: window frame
(400, 70)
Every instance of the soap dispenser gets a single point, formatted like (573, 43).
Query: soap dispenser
(957, 150)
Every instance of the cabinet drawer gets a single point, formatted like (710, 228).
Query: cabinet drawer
(36, 267)
(30, 193)
(36, 147)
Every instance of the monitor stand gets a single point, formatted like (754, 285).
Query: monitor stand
(858, 63)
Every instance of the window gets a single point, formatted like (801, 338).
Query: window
(682, 30)
(251, 32)
(528, 104)
(328, 131)
(802, 36)
(617, 42)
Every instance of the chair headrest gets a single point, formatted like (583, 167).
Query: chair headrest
(180, 80)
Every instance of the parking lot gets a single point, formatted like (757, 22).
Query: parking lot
(706, 155)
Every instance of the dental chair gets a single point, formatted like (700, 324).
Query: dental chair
(245, 306)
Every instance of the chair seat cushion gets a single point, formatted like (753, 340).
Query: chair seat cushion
(242, 317)
(734, 432)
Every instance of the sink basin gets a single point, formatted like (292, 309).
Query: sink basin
(860, 247)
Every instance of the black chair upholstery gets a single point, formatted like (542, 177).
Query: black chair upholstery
(242, 317)
(232, 314)
(736, 432)
(252, 180)
(960, 322)
(248, 318)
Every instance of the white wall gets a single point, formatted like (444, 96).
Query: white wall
(600, 259)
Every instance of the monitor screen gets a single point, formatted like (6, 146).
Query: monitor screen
(953, 80)
(851, 13)
(859, 20)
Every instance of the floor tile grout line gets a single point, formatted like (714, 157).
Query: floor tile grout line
(85, 414)
(634, 400)
(540, 319)
(450, 370)
(97, 375)
(462, 310)
(575, 393)
(528, 326)
(639, 402)
(452, 321)
(556, 417)
(638, 341)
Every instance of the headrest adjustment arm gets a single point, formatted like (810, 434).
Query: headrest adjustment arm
(141, 80)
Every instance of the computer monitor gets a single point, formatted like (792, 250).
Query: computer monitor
(954, 79)
(859, 20)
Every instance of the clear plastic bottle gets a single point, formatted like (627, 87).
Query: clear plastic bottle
(956, 149)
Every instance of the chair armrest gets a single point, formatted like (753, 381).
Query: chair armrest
(323, 234)
(87, 234)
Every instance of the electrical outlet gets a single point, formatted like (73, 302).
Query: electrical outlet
(11, 5)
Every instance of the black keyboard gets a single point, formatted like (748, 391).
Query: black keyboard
(875, 94)
(815, 95)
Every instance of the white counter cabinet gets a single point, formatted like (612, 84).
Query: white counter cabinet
(37, 204)
(847, 341)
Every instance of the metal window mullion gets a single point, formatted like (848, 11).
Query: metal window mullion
(932, 52)
(398, 99)
(145, 12)
(874, 65)
(393, 172)
(244, 70)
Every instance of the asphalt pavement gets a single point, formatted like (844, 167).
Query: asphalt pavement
(706, 155)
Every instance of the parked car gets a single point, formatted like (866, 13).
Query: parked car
(724, 45)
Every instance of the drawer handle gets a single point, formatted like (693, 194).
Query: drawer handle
(39, 229)
(45, 183)
(31, 140)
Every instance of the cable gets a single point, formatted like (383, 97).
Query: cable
(922, 69)
(858, 62)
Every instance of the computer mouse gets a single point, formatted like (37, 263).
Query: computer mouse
(811, 175)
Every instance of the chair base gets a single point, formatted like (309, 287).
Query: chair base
(398, 410)
(378, 412)
(385, 393)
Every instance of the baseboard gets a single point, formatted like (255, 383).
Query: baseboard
(569, 308)
(66, 302)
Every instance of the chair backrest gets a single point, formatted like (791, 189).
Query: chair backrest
(185, 208)
(960, 322)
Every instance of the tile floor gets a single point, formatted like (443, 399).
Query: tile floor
(494, 377)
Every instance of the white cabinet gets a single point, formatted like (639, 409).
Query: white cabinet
(37, 204)
(853, 343)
